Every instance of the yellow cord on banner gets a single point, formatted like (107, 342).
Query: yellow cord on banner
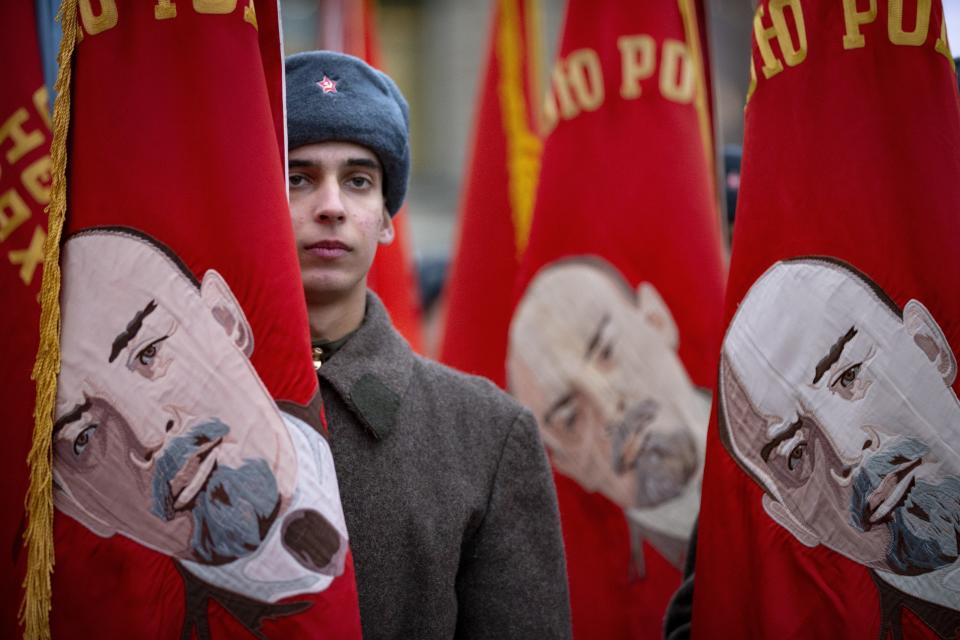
(523, 145)
(35, 608)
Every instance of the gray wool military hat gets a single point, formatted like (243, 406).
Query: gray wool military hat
(335, 97)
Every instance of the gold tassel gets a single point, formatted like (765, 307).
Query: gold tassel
(35, 608)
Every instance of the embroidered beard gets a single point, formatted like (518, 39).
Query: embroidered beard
(232, 510)
(924, 525)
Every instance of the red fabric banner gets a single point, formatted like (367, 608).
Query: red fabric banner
(498, 199)
(24, 191)
(613, 339)
(194, 493)
(831, 503)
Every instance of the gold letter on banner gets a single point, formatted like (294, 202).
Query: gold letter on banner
(98, 24)
(11, 202)
(23, 142)
(673, 85)
(895, 30)
(37, 179)
(214, 6)
(29, 258)
(586, 78)
(638, 55)
(852, 19)
(791, 55)
(763, 35)
(164, 10)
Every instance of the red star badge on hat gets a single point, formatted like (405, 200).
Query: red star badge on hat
(328, 85)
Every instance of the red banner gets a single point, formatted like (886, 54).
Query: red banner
(612, 340)
(24, 191)
(498, 200)
(195, 493)
(831, 504)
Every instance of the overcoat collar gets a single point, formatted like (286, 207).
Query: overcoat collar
(372, 370)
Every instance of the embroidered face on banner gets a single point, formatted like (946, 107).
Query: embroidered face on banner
(165, 434)
(839, 404)
(596, 362)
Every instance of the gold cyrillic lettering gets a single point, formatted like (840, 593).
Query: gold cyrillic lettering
(852, 19)
(792, 55)
(29, 258)
(38, 179)
(214, 6)
(164, 10)
(676, 72)
(638, 57)
(895, 30)
(586, 78)
(561, 88)
(23, 142)
(106, 19)
(13, 212)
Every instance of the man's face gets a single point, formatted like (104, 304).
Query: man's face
(839, 407)
(339, 217)
(164, 432)
(614, 404)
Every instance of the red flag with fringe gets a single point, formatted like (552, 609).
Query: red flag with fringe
(24, 191)
(620, 290)
(195, 492)
(831, 504)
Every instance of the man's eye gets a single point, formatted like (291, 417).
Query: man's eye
(146, 355)
(297, 180)
(848, 377)
(359, 182)
(83, 439)
(796, 456)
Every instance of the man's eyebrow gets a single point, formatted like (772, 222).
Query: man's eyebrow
(128, 334)
(833, 355)
(302, 163)
(556, 406)
(367, 163)
(595, 338)
(71, 416)
(777, 439)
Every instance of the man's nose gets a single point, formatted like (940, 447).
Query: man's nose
(851, 452)
(598, 387)
(328, 207)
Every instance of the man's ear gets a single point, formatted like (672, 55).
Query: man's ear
(785, 519)
(387, 231)
(68, 505)
(216, 294)
(656, 314)
(927, 335)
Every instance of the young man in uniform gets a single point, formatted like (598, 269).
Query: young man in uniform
(448, 497)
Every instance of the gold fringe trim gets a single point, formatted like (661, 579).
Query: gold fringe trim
(523, 145)
(35, 608)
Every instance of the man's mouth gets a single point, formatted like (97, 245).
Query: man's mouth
(328, 249)
(191, 478)
(892, 491)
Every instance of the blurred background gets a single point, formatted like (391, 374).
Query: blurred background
(436, 51)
